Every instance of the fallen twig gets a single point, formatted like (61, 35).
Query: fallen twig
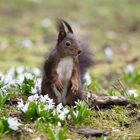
(106, 101)
(89, 132)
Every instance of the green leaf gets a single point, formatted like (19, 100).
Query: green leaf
(83, 112)
(50, 133)
(4, 127)
(31, 113)
(4, 98)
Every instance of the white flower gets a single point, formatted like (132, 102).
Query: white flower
(33, 90)
(39, 109)
(87, 78)
(61, 111)
(69, 117)
(38, 83)
(129, 68)
(26, 43)
(20, 104)
(13, 123)
(28, 75)
(11, 72)
(51, 104)
(36, 71)
(33, 97)
(62, 116)
(25, 108)
(20, 79)
(46, 22)
(65, 111)
(89, 95)
(8, 79)
(133, 92)
(109, 53)
(48, 106)
(44, 98)
(76, 113)
(59, 124)
(50, 101)
(105, 138)
(77, 102)
(59, 107)
(20, 70)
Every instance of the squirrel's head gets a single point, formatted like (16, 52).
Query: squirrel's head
(67, 43)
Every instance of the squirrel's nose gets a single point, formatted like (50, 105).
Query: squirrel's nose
(79, 52)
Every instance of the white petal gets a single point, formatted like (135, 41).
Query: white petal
(13, 123)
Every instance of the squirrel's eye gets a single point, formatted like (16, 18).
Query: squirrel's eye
(68, 43)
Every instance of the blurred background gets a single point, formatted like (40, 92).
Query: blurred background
(111, 28)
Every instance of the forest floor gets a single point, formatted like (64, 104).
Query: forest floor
(110, 28)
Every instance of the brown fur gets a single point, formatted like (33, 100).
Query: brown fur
(61, 50)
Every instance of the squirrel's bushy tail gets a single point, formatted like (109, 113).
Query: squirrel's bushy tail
(85, 60)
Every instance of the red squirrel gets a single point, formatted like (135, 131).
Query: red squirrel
(65, 67)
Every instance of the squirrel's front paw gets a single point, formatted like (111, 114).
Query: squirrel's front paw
(74, 88)
(59, 85)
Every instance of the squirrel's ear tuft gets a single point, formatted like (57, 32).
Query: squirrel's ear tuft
(61, 30)
(68, 26)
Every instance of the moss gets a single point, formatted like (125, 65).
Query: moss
(104, 22)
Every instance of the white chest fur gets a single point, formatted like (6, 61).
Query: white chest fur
(65, 68)
(64, 71)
